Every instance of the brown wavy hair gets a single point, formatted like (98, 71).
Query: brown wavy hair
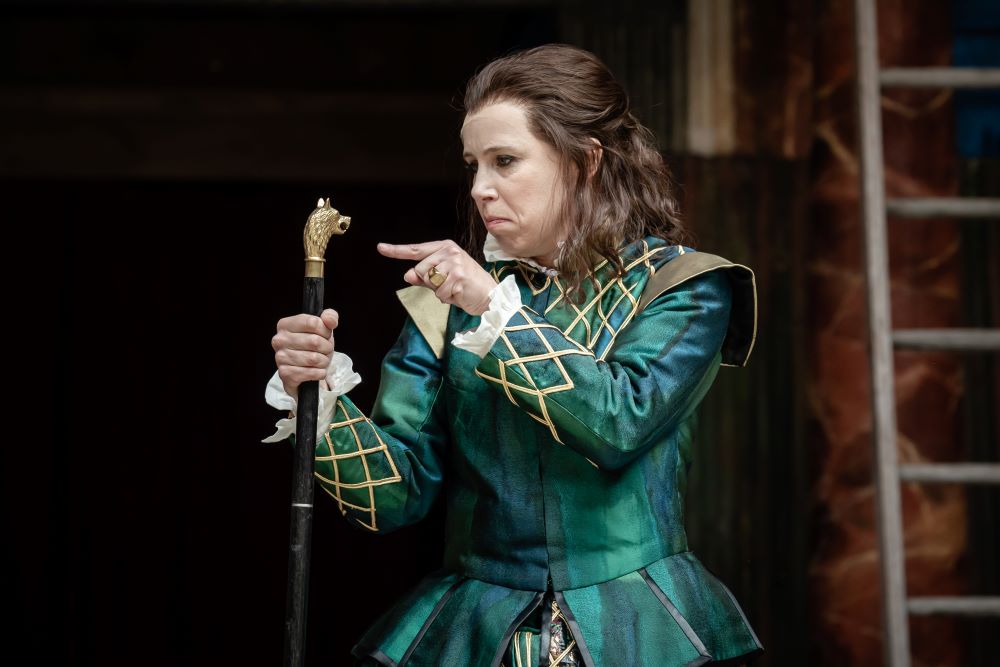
(570, 97)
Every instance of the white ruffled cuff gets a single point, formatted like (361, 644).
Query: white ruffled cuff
(505, 300)
(340, 379)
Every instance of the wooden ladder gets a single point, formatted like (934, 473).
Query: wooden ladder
(874, 207)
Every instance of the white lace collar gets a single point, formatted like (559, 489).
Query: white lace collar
(493, 253)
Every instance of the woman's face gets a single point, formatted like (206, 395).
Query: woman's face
(517, 183)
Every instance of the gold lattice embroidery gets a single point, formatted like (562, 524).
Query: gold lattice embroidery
(522, 649)
(557, 617)
(627, 297)
(580, 334)
(362, 454)
(526, 276)
(524, 363)
(562, 650)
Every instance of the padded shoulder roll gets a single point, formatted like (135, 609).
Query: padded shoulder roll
(742, 332)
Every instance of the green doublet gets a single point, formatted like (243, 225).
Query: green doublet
(563, 454)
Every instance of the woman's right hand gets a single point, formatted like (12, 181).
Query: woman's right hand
(303, 347)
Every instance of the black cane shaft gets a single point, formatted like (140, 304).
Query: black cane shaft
(300, 537)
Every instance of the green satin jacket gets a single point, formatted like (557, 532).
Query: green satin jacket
(563, 455)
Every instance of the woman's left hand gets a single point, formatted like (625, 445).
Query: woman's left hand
(467, 285)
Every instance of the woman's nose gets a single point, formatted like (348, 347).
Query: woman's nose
(482, 188)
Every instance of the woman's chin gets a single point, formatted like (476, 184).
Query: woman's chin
(511, 249)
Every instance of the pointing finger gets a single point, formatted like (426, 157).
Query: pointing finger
(411, 251)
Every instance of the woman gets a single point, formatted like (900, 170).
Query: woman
(553, 385)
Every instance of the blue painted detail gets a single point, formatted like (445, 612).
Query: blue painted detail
(976, 25)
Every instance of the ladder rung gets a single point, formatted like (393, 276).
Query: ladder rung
(951, 473)
(965, 606)
(963, 340)
(944, 207)
(941, 77)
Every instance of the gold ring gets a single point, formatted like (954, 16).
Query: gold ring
(436, 277)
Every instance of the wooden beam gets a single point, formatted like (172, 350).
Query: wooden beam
(711, 118)
(198, 134)
(282, 4)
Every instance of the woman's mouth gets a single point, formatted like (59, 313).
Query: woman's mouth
(493, 222)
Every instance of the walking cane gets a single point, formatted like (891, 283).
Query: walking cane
(323, 223)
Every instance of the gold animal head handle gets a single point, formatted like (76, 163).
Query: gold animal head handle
(323, 222)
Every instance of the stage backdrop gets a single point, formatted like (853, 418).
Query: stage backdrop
(157, 162)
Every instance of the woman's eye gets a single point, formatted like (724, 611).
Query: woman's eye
(504, 160)
(470, 167)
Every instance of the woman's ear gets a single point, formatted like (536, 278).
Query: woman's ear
(594, 155)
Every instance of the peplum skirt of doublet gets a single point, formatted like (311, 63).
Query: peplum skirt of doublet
(672, 612)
